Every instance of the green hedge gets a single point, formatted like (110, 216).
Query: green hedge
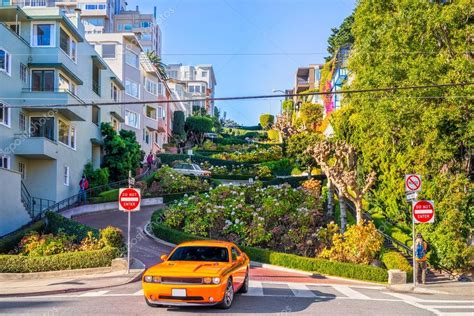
(293, 181)
(394, 260)
(64, 261)
(10, 241)
(60, 224)
(347, 270)
(238, 177)
(104, 197)
(282, 167)
(169, 159)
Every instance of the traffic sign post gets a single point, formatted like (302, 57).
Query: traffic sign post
(412, 186)
(129, 201)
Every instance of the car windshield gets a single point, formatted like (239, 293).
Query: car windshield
(196, 167)
(198, 253)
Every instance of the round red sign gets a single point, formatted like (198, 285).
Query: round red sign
(423, 211)
(129, 199)
(413, 182)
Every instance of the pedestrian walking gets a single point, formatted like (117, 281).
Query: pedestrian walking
(149, 160)
(421, 248)
(83, 186)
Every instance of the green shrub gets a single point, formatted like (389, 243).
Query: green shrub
(293, 181)
(274, 135)
(59, 224)
(280, 167)
(239, 177)
(10, 241)
(97, 177)
(394, 260)
(112, 237)
(348, 270)
(266, 120)
(169, 159)
(64, 261)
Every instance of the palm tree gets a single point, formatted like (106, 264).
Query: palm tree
(159, 65)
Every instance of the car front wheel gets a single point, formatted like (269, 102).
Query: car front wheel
(245, 287)
(228, 296)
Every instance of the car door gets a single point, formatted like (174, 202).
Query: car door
(239, 268)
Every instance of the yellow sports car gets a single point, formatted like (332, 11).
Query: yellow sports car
(198, 273)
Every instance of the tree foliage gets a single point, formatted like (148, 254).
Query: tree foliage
(426, 131)
(340, 35)
(158, 63)
(178, 125)
(311, 115)
(266, 121)
(297, 146)
(122, 152)
(196, 126)
(96, 177)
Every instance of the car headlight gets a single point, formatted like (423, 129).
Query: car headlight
(216, 280)
(152, 279)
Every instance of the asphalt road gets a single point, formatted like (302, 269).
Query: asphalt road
(263, 299)
(271, 292)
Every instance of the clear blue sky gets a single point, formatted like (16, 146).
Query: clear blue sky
(233, 30)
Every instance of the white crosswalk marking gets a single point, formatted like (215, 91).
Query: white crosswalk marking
(138, 293)
(96, 293)
(301, 290)
(347, 291)
(255, 289)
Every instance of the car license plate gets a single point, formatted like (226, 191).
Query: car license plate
(178, 292)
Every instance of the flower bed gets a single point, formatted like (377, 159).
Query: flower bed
(238, 172)
(166, 181)
(255, 156)
(170, 159)
(277, 217)
(341, 269)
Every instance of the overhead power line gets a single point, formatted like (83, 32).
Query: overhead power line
(256, 97)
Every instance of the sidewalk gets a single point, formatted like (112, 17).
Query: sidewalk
(56, 285)
(449, 288)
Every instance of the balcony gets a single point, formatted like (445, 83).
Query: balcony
(35, 147)
(33, 3)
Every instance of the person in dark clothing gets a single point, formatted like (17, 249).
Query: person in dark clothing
(83, 186)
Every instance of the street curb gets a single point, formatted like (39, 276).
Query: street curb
(414, 290)
(264, 265)
(137, 276)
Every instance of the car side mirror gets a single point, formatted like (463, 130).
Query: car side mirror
(164, 257)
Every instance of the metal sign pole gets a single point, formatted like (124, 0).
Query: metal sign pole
(415, 267)
(129, 223)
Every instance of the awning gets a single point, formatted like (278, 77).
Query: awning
(117, 116)
(59, 66)
(97, 141)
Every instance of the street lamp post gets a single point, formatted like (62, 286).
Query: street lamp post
(281, 105)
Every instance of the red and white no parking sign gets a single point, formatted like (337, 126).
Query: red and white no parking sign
(129, 200)
(412, 183)
(423, 211)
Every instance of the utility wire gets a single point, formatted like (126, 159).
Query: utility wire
(256, 97)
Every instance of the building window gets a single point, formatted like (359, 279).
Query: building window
(22, 122)
(151, 86)
(132, 119)
(108, 50)
(150, 112)
(42, 80)
(132, 89)
(146, 136)
(4, 115)
(131, 58)
(5, 162)
(65, 85)
(23, 72)
(67, 44)
(43, 35)
(160, 89)
(204, 74)
(42, 127)
(155, 137)
(5, 61)
(95, 115)
(22, 170)
(114, 93)
(66, 134)
(172, 74)
(95, 79)
(14, 26)
(115, 124)
(66, 175)
(127, 27)
(94, 21)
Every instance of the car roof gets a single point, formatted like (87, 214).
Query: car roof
(218, 243)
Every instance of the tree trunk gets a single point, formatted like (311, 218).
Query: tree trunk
(330, 212)
(343, 210)
(359, 213)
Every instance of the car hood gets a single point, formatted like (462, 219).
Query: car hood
(192, 268)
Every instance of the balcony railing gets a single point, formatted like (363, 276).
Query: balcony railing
(33, 3)
(302, 81)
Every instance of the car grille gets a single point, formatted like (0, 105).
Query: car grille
(180, 280)
(184, 298)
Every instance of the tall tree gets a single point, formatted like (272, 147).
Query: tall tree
(266, 121)
(197, 126)
(428, 131)
(340, 36)
(158, 63)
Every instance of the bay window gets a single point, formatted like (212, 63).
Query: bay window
(132, 59)
(43, 35)
(65, 84)
(151, 86)
(42, 127)
(5, 61)
(66, 134)
(132, 119)
(4, 115)
(132, 89)
(4, 162)
(67, 44)
(42, 80)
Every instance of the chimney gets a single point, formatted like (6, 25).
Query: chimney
(78, 15)
(136, 8)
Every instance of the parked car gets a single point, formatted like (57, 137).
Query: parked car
(191, 169)
(198, 273)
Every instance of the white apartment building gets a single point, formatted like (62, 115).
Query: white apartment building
(124, 54)
(45, 63)
(199, 82)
